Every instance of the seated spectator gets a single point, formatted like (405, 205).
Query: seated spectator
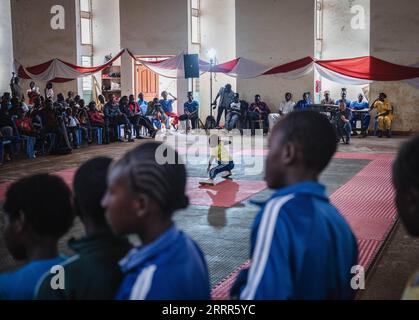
(30, 126)
(139, 119)
(48, 117)
(131, 111)
(93, 273)
(114, 117)
(38, 212)
(327, 99)
(167, 106)
(343, 99)
(62, 101)
(365, 117)
(384, 115)
(77, 99)
(73, 126)
(95, 116)
(406, 183)
(258, 110)
(191, 109)
(33, 93)
(156, 113)
(305, 103)
(301, 246)
(85, 125)
(16, 106)
(142, 103)
(285, 107)
(343, 123)
(70, 96)
(141, 199)
(6, 124)
(233, 113)
(35, 114)
(100, 103)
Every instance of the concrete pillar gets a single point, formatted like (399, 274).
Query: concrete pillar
(6, 45)
(397, 43)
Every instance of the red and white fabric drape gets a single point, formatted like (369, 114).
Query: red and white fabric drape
(360, 70)
(59, 71)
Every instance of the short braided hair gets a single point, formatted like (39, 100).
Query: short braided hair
(165, 183)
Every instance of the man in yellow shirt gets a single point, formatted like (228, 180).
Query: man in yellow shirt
(225, 162)
(384, 114)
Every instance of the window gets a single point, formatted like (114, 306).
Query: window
(319, 19)
(195, 22)
(86, 31)
(85, 6)
(86, 22)
(87, 82)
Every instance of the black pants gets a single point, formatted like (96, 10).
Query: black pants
(194, 119)
(113, 122)
(220, 113)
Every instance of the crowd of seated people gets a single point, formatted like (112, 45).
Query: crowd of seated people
(59, 124)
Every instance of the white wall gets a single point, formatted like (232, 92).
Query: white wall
(273, 32)
(6, 45)
(218, 31)
(341, 40)
(35, 42)
(106, 31)
(152, 27)
(394, 37)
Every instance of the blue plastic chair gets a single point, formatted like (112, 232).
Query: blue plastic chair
(29, 141)
(98, 135)
(78, 137)
(2, 144)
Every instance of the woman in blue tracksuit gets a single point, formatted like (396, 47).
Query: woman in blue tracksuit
(141, 198)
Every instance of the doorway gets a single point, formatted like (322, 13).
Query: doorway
(150, 83)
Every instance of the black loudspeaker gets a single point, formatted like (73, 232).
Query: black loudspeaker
(191, 63)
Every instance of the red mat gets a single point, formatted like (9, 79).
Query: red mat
(366, 202)
(225, 193)
(67, 175)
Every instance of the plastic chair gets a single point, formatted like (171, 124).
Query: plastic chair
(2, 144)
(27, 140)
(78, 137)
(97, 134)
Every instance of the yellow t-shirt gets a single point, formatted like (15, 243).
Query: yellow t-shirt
(221, 153)
(382, 106)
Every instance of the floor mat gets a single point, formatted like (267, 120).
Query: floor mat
(225, 193)
(367, 203)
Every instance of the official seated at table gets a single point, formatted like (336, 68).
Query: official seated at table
(360, 110)
(304, 103)
(343, 99)
(384, 115)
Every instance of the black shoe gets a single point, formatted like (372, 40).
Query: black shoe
(354, 133)
(380, 134)
(153, 135)
(388, 134)
(364, 134)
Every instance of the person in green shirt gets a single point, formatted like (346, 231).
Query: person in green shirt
(93, 273)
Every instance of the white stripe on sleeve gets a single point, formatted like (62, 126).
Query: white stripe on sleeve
(263, 245)
(143, 283)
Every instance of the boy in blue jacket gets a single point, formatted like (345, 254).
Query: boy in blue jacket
(301, 247)
(141, 198)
